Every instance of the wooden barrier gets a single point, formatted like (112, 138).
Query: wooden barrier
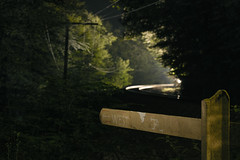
(213, 129)
(216, 127)
(150, 122)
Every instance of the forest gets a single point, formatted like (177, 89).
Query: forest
(61, 63)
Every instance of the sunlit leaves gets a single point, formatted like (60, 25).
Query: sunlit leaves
(89, 53)
(120, 77)
(151, 40)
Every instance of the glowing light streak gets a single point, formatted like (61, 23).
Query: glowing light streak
(133, 87)
(155, 86)
(142, 87)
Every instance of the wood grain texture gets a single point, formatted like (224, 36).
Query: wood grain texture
(216, 127)
(150, 122)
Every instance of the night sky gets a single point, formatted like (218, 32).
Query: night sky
(95, 6)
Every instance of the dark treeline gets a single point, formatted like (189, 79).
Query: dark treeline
(46, 115)
(33, 48)
(42, 115)
(200, 38)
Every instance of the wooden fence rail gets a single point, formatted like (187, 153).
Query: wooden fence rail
(213, 129)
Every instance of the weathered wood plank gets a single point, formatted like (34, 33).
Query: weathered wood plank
(216, 127)
(150, 122)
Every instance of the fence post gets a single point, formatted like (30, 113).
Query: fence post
(216, 127)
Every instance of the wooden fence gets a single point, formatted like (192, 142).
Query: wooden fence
(213, 129)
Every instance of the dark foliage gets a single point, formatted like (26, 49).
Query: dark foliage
(200, 38)
(45, 117)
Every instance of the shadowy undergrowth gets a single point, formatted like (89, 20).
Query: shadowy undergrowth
(63, 124)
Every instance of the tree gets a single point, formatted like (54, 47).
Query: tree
(199, 39)
(89, 55)
(146, 69)
(26, 60)
(120, 77)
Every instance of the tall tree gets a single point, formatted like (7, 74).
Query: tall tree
(90, 57)
(25, 58)
(199, 38)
